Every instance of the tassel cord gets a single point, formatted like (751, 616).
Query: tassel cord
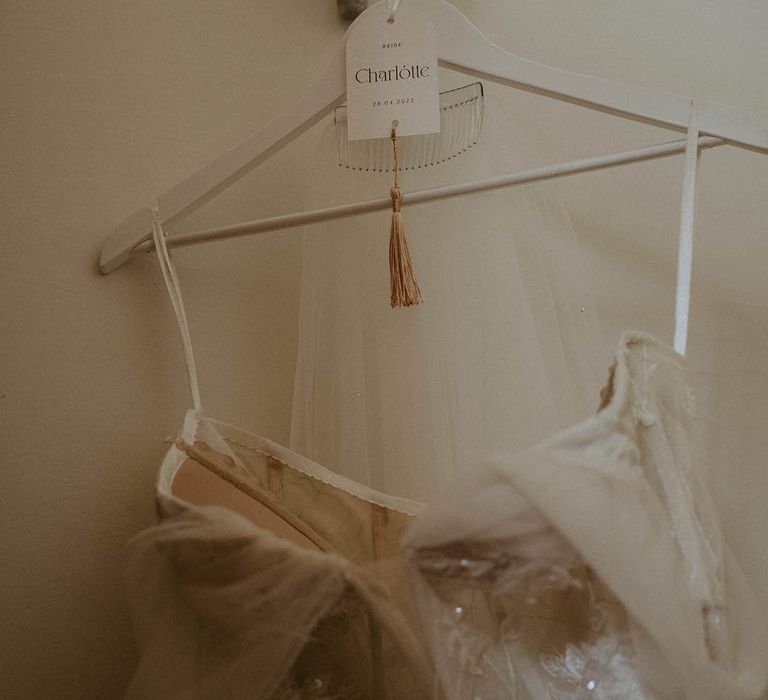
(404, 290)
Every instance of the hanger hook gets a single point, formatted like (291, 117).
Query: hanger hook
(394, 5)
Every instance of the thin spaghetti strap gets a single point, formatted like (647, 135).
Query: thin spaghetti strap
(687, 224)
(174, 291)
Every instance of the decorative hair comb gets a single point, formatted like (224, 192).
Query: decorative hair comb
(461, 116)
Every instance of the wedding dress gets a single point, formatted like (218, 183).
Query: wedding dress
(591, 565)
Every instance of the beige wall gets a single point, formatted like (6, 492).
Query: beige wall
(105, 103)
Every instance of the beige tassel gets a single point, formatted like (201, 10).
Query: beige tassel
(403, 288)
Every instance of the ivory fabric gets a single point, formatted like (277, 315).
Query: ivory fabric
(589, 566)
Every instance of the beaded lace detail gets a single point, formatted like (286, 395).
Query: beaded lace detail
(603, 670)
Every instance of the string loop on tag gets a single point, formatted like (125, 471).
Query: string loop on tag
(403, 288)
(394, 5)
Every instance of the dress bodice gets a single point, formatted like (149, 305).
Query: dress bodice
(591, 566)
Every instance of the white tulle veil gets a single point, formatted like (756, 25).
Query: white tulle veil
(501, 353)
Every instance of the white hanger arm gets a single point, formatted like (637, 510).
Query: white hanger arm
(461, 46)
(199, 187)
(464, 47)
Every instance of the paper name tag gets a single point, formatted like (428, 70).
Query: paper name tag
(392, 74)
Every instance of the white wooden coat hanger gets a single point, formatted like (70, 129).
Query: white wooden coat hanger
(463, 47)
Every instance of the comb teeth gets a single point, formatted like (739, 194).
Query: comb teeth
(461, 116)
